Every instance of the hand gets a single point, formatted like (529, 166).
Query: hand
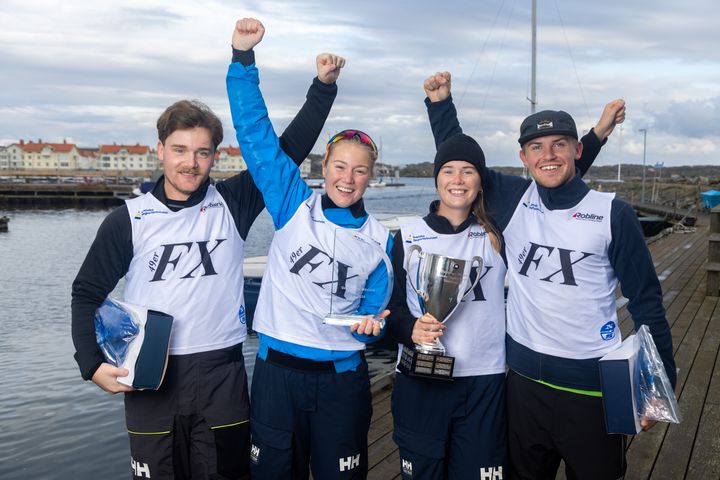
(248, 33)
(328, 67)
(106, 377)
(371, 325)
(646, 424)
(426, 330)
(613, 114)
(437, 87)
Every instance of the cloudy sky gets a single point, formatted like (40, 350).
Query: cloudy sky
(102, 71)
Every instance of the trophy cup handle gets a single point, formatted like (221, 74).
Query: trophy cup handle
(411, 250)
(479, 261)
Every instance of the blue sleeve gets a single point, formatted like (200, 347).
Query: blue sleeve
(630, 258)
(377, 285)
(275, 174)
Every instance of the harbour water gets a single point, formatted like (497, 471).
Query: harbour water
(52, 423)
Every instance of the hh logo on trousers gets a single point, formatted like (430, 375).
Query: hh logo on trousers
(348, 463)
(140, 469)
(491, 473)
(254, 453)
(406, 466)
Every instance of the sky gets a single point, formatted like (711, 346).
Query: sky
(93, 72)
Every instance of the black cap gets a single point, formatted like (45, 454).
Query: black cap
(547, 122)
(459, 147)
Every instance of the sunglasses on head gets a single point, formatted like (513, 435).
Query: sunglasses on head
(353, 134)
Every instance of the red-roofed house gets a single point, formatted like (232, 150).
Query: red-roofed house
(125, 157)
(229, 159)
(42, 155)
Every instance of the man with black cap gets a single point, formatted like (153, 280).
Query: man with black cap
(567, 248)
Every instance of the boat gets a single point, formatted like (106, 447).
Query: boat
(4, 220)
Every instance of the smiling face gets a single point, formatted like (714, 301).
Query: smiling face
(458, 184)
(347, 172)
(187, 157)
(551, 159)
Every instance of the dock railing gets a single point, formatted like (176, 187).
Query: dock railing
(713, 263)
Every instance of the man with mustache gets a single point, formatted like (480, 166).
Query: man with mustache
(180, 249)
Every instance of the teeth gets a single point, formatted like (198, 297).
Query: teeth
(345, 189)
(549, 167)
(457, 192)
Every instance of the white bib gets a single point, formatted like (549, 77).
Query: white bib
(188, 264)
(475, 333)
(307, 275)
(562, 286)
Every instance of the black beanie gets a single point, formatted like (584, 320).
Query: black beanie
(459, 147)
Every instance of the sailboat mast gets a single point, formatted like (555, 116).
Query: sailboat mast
(533, 71)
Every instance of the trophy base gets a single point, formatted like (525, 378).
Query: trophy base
(426, 365)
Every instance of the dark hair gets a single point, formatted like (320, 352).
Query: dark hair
(187, 114)
(478, 209)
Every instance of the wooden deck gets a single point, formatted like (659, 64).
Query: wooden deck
(690, 449)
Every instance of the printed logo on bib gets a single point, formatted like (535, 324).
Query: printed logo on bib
(607, 331)
(148, 211)
(590, 217)
(472, 234)
(533, 206)
(173, 253)
(204, 208)
(241, 314)
(419, 238)
(541, 256)
(306, 260)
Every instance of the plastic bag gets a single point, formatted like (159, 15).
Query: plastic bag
(114, 330)
(655, 396)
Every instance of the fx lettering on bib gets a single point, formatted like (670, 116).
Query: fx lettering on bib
(315, 259)
(172, 253)
(540, 256)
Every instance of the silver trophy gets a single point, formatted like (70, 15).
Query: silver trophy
(359, 262)
(440, 283)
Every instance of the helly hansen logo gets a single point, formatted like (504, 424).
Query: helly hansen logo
(254, 453)
(307, 260)
(172, 253)
(491, 473)
(140, 469)
(590, 217)
(406, 466)
(348, 463)
(541, 255)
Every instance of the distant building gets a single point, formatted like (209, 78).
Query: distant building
(41, 155)
(229, 159)
(305, 168)
(4, 158)
(125, 157)
(88, 158)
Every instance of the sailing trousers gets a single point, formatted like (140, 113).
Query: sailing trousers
(450, 430)
(546, 425)
(196, 425)
(307, 417)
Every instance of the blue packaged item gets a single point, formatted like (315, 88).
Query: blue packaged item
(114, 330)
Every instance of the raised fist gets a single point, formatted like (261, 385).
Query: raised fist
(248, 33)
(437, 87)
(612, 115)
(328, 67)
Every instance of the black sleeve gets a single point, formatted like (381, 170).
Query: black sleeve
(443, 119)
(591, 149)
(106, 263)
(401, 323)
(633, 265)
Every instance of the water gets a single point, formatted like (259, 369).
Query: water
(52, 423)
